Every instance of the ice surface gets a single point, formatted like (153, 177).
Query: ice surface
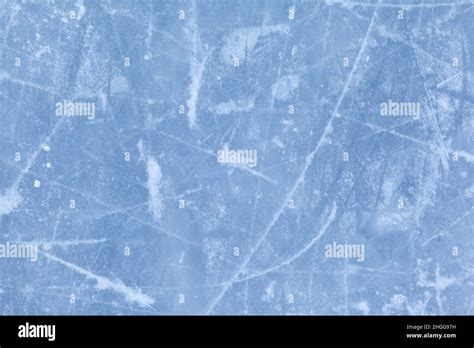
(345, 209)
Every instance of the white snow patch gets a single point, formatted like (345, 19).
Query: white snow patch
(232, 106)
(43, 50)
(466, 155)
(469, 192)
(397, 304)
(362, 306)
(241, 42)
(82, 10)
(153, 183)
(141, 150)
(277, 141)
(389, 189)
(9, 201)
(283, 88)
(118, 85)
(269, 292)
(195, 73)
(387, 220)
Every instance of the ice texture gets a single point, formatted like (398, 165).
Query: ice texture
(237, 157)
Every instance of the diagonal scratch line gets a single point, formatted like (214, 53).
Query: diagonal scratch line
(210, 153)
(449, 79)
(103, 283)
(302, 251)
(386, 130)
(442, 149)
(5, 76)
(308, 162)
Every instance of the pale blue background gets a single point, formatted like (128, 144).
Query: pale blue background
(409, 266)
